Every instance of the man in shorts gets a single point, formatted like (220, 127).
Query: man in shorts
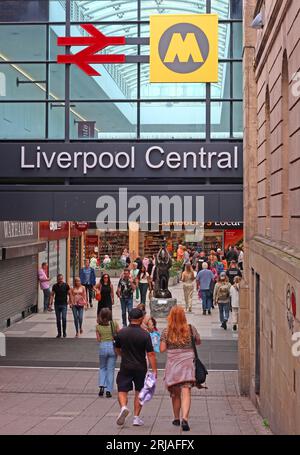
(133, 344)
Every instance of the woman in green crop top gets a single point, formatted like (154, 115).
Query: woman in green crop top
(105, 331)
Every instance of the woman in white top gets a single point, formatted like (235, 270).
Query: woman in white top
(144, 282)
(235, 301)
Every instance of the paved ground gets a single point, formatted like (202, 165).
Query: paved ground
(49, 386)
(43, 325)
(50, 352)
(65, 402)
(32, 342)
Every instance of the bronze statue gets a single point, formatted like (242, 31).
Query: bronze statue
(163, 264)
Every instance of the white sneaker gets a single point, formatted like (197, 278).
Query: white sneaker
(137, 422)
(122, 416)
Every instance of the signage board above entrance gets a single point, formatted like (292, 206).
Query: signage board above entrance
(123, 160)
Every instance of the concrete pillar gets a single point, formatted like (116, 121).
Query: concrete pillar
(250, 190)
(68, 268)
(134, 230)
(83, 255)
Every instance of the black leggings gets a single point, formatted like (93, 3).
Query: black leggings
(143, 290)
(102, 305)
(89, 292)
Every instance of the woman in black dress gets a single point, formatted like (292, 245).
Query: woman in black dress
(106, 293)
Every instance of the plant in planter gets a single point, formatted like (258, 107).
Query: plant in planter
(175, 272)
(177, 265)
(114, 264)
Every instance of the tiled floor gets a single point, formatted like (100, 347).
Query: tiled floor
(64, 401)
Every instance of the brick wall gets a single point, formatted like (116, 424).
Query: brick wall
(278, 123)
(272, 211)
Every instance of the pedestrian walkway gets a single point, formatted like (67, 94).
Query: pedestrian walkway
(65, 402)
(43, 325)
(32, 342)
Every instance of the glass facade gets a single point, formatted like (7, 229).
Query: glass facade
(40, 99)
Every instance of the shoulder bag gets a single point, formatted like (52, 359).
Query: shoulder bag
(113, 333)
(200, 369)
(98, 293)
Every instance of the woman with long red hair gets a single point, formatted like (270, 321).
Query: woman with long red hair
(179, 378)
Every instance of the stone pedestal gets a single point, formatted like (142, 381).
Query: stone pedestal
(160, 307)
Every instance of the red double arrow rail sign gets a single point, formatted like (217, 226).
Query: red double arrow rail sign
(96, 42)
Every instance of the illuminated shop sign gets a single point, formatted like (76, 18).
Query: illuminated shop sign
(136, 159)
(183, 48)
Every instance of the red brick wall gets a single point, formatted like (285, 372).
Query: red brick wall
(278, 152)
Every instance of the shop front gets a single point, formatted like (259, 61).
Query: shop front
(64, 250)
(206, 237)
(55, 235)
(19, 251)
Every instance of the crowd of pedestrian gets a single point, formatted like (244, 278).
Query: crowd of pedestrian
(136, 280)
(217, 276)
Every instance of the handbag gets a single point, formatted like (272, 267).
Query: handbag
(81, 302)
(200, 369)
(98, 294)
(113, 333)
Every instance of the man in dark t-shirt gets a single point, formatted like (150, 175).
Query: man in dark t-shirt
(233, 271)
(133, 344)
(126, 286)
(60, 294)
(201, 259)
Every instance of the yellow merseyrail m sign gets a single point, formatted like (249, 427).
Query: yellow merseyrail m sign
(184, 48)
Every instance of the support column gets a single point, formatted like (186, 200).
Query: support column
(250, 193)
(68, 268)
(134, 230)
(83, 255)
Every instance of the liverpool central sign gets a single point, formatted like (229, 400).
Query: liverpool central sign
(183, 48)
(116, 160)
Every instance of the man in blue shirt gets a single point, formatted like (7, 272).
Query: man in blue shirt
(204, 280)
(88, 280)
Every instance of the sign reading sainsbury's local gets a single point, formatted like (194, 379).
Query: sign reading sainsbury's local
(119, 159)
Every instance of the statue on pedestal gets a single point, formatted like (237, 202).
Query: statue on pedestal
(163, 265)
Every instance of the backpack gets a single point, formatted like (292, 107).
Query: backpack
(223, 292)
(220, 267)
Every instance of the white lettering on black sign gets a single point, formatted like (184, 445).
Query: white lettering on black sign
(155, 158)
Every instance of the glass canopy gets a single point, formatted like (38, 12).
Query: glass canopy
(131, 10)
(43, 99)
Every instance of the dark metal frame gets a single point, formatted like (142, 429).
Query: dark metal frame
(257, 333)
(67, 101)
